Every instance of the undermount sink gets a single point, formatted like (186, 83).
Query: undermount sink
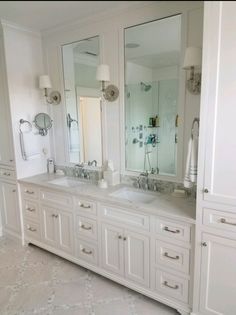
(134, 195)
(66, 182)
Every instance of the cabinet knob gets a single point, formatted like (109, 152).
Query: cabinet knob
(11, 160)
(125, 238)
(120, 237)
(206, 191)
(204, 244)
(14, 190)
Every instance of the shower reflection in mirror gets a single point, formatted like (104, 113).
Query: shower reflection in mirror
(82, 97)
(152, 63)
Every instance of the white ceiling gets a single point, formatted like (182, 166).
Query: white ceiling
(42, 15)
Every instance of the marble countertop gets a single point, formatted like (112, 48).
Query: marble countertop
(166, 205)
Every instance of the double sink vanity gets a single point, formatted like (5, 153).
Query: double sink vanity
(143, 240)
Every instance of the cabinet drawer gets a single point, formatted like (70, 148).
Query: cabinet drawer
(86, 227)
(7, 174)
(127, 217)
(86, 206)
(32, 230)
(31, 209)
(172, 256)
(173, 230)
(171, 285)
(58, 198)
(30, 192)
(87, 251)
(219, 219)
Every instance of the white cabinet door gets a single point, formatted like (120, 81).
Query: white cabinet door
(64, 223)
(136, 257)
(112, 249)
(218, 275)
(218, 110)
(49, 225)
(6, 146)
(10, 207)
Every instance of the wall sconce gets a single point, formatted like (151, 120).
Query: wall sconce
(111, 92)
(193, 60)
(45, 83)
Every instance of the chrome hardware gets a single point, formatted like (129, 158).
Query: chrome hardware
(7, 174)
(11, 160)
(120, 237)
(14, 190)
(125, 238)
(30, 209)
(86, 251)
(86, 227)
(206, 191)
(55, 215)
(171, 257)
(222, 220)
(170, 286)
(171, 231)
(204, 244)
(85, 206)
(32, 229)
(29, 192)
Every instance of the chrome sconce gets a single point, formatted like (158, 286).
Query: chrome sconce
(192, 62)
(45, 83)
(111, 92)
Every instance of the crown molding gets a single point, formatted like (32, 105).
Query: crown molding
(109, 14)
(7, 24)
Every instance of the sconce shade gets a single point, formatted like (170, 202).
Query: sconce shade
(193, 57)
(44, 82)
(103, 73)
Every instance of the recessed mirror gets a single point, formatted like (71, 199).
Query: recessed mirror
(83, 101)
(152, 67)
(43, 123)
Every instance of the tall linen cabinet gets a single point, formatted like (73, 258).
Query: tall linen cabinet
(215, 272)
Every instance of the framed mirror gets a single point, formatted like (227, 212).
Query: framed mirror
(43, 123)
(83, 101)
(152, 68)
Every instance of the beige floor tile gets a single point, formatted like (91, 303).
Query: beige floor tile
(146, 306)
(8, 276)
(114, 308)
(67, 271)
(70, 311)
(4, 297)
(70, 293)
(12, 258)
(37, 274)
(38, 256)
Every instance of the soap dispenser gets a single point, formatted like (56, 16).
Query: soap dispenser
(50, 166)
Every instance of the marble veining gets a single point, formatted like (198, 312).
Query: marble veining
(34, 281)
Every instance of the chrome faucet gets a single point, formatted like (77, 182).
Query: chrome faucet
(93, 162)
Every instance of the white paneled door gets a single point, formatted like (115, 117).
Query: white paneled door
(218, 276)
(49, 225)
(65, 230)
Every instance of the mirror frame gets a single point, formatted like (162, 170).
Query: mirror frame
(178, 177)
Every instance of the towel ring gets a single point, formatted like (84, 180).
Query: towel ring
(22, 121)
(195, 121)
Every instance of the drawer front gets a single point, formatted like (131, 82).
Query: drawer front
(32, 230)
(173, 230)
(7, 174)
(86, 227)
(219, 219)
(172, 285)
(31, 209)
(86, 206)
(129, 218)
(172, 256)
(87, 251)
(29, 191)
(58, 198)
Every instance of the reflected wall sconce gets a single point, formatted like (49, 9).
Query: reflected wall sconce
(54, 97)
(192, 62)
(111, 92)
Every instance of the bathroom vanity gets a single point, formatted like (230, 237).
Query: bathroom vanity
(142, 240)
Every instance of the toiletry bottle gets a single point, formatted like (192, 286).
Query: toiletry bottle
(50, 166)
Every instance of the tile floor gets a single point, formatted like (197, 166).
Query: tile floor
(33, 281)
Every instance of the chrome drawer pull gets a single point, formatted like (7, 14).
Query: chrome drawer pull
(171, 257)
(7, 174)
(30, 209)
(170, 286)
(225, 222)
(87, 252)
(55, 215)
(84, 206)
(32, 229)
(171, 231)
(86, 227)
(29, 192)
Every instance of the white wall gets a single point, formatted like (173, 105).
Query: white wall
(24, 64)
(110, 30)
